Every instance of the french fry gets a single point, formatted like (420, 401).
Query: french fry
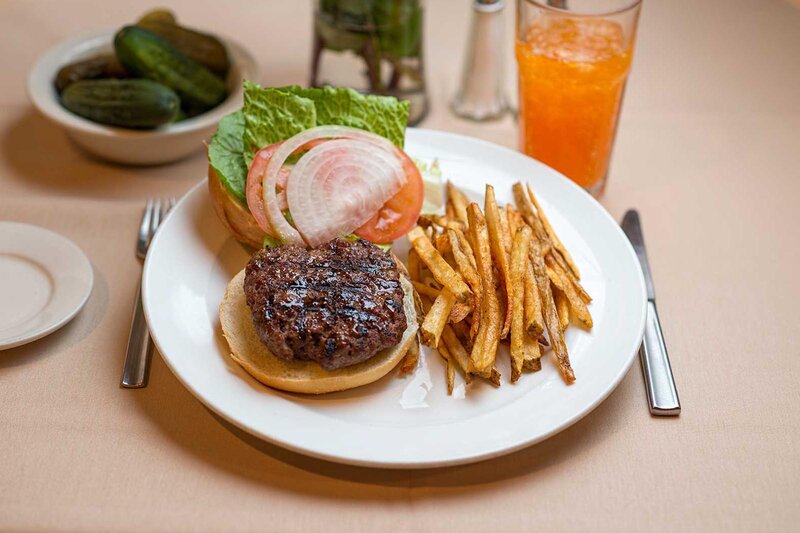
(425, 221)
(459, 201)
(551, 315)
(457, 352)
(552, 234)
(478, 344)
(534, 323)
(518, 267)
(443, 351)
(442, 244)
(485, 347)
(411, 358)
(467, 271)
(463, 333)
(552, 275)
(562, 307)
(497, 238)
(466, 247)
(459, 312)
(533, 364)
(449, 212)
(513, 221)
(446, 222)
(505, 234)
(413, 265)
(436, 318)
(441, 270)
(533, 354)
(461, 356)
(559, 260)
(503, 307)
(560, 279)
(493, 377)
(528, 210)
(465, 266)
(451, 376)
(426, 290)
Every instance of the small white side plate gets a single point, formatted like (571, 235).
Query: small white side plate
(45, 280)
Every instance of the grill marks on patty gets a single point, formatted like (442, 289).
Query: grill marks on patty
(338, 304)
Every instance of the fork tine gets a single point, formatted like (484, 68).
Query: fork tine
(156, 220)
(144, 228)
(164, 209)
(172, 202)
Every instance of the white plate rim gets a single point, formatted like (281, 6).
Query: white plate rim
(78, 303)
(450, 461)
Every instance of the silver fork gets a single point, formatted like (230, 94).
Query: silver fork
(140, 346)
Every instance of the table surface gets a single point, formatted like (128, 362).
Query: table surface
(708, 150)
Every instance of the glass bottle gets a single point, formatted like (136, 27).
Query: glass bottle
(373, 46)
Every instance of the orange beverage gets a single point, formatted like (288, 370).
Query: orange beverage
(572, 72)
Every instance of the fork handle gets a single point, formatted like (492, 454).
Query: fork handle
(140, 348)
(661, 391)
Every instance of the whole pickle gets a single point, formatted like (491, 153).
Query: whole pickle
(136, 103)
(160, 14)
(102, 66)
(200, 47)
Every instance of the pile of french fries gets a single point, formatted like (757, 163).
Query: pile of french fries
(483, 278)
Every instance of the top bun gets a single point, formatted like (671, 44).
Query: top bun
(234, 215)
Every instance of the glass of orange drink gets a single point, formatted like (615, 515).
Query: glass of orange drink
(573, 57)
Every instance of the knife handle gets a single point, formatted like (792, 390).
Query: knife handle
(661, 392)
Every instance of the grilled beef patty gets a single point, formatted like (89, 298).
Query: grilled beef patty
(338, 305)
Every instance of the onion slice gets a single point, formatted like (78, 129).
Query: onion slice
(335, 187)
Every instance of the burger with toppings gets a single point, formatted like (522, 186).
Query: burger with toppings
(318, 181)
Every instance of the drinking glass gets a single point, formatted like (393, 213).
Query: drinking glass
(573, 58)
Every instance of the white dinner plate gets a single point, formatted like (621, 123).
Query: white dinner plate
(44, 281)
(406, 422)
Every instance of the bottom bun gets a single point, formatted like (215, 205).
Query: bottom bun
(303, 376)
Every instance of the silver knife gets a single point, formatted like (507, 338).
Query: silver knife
(661, 392)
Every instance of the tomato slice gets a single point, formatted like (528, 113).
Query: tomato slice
(255, 178)
(400, 213)
(255, 200)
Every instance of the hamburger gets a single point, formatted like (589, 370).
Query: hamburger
(320, 307)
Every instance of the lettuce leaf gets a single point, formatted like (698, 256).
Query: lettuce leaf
(272, 115)
(225, 155)
(383, 115)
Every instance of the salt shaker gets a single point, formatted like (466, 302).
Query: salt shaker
(481, 94)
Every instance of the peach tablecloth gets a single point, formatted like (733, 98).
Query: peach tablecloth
(708, 151)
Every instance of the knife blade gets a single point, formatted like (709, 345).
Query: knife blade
(662, 395)
(632, 227)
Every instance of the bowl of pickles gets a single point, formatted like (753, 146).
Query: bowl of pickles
(149, 92)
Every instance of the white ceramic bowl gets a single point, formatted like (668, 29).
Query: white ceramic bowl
(135, 147)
